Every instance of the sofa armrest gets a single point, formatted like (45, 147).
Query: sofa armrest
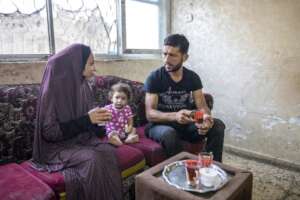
(209, 100)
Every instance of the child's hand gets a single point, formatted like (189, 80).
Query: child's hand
(128, 128)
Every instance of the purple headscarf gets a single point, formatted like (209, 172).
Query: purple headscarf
(90, 167)
(64, 95)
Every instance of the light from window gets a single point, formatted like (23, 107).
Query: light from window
(23, 27)
(142, 25)
(92, 22)
(109, 27)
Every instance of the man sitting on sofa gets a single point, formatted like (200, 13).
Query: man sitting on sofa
(169, 90)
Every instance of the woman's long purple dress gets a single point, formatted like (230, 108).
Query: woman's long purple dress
(89, 166)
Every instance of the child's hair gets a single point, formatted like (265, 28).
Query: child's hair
(120, 87)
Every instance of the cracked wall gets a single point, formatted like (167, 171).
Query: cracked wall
(27, 73)
(247, 54)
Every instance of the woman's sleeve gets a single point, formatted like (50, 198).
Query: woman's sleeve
(99, 131)
(75, 127)
(54, 130)
(82, 124)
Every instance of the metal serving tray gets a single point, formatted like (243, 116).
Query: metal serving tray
(174, 174)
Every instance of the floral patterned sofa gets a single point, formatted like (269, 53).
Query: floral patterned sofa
(17, 121)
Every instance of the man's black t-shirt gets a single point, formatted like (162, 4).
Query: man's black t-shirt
(172, 96)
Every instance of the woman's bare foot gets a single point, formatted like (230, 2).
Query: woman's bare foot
(132, 138)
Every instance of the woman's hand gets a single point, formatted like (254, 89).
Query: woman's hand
(99, 115)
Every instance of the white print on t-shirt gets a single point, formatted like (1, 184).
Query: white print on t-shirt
(173, 100)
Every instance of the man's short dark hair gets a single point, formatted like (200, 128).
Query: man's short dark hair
(179, 41)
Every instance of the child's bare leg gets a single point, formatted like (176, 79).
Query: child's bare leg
(114, 139)
(133, 137)
(133, 131)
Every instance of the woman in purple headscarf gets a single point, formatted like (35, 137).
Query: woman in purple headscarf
(65, 138)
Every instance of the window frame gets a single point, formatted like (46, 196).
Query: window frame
(122, 51)
(164, 27)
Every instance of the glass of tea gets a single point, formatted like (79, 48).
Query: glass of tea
(205, 158)
(192, 172)
(197, 115)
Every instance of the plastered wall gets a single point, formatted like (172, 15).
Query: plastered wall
(18, 73)
(132, 69)
(248, 56)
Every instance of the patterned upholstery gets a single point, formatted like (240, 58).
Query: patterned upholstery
(18, 112)
(17, 117)
(103, 85)
(17, 123)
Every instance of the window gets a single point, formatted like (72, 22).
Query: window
(90, 22)
(35, 28)
(23, 27)
(144, 24)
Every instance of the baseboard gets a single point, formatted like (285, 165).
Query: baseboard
(278, 162)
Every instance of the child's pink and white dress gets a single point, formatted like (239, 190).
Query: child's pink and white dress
(119, 120)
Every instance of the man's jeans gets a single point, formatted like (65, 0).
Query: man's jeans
(169, 137)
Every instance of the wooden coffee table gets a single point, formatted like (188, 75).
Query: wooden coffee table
(150, 185)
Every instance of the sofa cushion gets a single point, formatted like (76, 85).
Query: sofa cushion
(131, 160)
(55, 180)
(18, 184)
(152, 151)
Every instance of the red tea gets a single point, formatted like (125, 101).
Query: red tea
(197, 116)
(192, 168)
(206, 159)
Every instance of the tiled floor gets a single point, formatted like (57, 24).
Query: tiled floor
(270, 182)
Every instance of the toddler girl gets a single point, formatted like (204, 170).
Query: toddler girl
(120, 129)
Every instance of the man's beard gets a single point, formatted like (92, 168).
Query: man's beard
(175, 67)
